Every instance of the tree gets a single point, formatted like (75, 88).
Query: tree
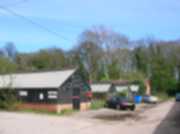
(90, 56)
(6, 66)
(46, 59)
(114, 72)
(96, 47)
(141, 59)
(10, 50)
(162, 77)
(7, 96)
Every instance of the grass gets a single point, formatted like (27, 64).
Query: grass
(67, 112)
(97, 104)
(36, 111)
(64, 112)
(163, 97)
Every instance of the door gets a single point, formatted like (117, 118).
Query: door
(76, 99)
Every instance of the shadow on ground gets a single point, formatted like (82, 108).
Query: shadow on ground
(171, 124)
(124, 115)
(118, 117)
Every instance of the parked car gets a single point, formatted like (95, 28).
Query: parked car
(178, 97)
(150, 99)
(120, 103)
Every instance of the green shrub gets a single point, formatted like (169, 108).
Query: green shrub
(123, 93)
(142, 87)
(8, 100)
(97, 104)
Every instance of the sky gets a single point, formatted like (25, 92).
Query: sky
(69, 18)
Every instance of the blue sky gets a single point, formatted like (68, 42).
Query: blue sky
(134, 18)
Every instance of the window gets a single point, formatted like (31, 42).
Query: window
(52, 94)
(41, 96)
(23, 93)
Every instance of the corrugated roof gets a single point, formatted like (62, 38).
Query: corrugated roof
(100, 88)
(53, 79)
(121, 82)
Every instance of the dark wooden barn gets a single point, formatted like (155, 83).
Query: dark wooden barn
(51, 91)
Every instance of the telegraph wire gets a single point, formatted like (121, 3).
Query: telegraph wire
(15, 3)
(33, 22)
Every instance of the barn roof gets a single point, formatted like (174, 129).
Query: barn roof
(100, 88)
(121, 82)
(52, 79)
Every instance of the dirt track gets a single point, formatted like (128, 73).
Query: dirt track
(162, 119)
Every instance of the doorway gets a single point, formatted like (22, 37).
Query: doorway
(76, 99)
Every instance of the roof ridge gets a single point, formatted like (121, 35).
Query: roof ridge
(38, 72)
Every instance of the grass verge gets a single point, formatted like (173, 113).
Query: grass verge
(164, 97)
(64, 112)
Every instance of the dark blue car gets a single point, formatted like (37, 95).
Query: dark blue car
(120, 103)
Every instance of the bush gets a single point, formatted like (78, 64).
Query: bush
(142, 87)
(122, 94)
(8, 100)
(174, 90)
(162, 78)
(97, 104)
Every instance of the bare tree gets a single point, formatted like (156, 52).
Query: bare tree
(10, 50)
(98, 45)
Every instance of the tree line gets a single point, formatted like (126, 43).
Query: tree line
(106, 55)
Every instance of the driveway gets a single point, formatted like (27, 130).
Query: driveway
(161, 119)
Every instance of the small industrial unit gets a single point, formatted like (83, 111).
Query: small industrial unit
(53, 91)
(111, 88)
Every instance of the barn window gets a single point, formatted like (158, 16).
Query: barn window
(23, 93)
(41, 96)
(52, 94)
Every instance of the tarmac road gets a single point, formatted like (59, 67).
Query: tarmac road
(161, 119)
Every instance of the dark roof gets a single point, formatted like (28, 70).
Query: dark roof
(116, 82)
(52, 79)
(124, 82)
